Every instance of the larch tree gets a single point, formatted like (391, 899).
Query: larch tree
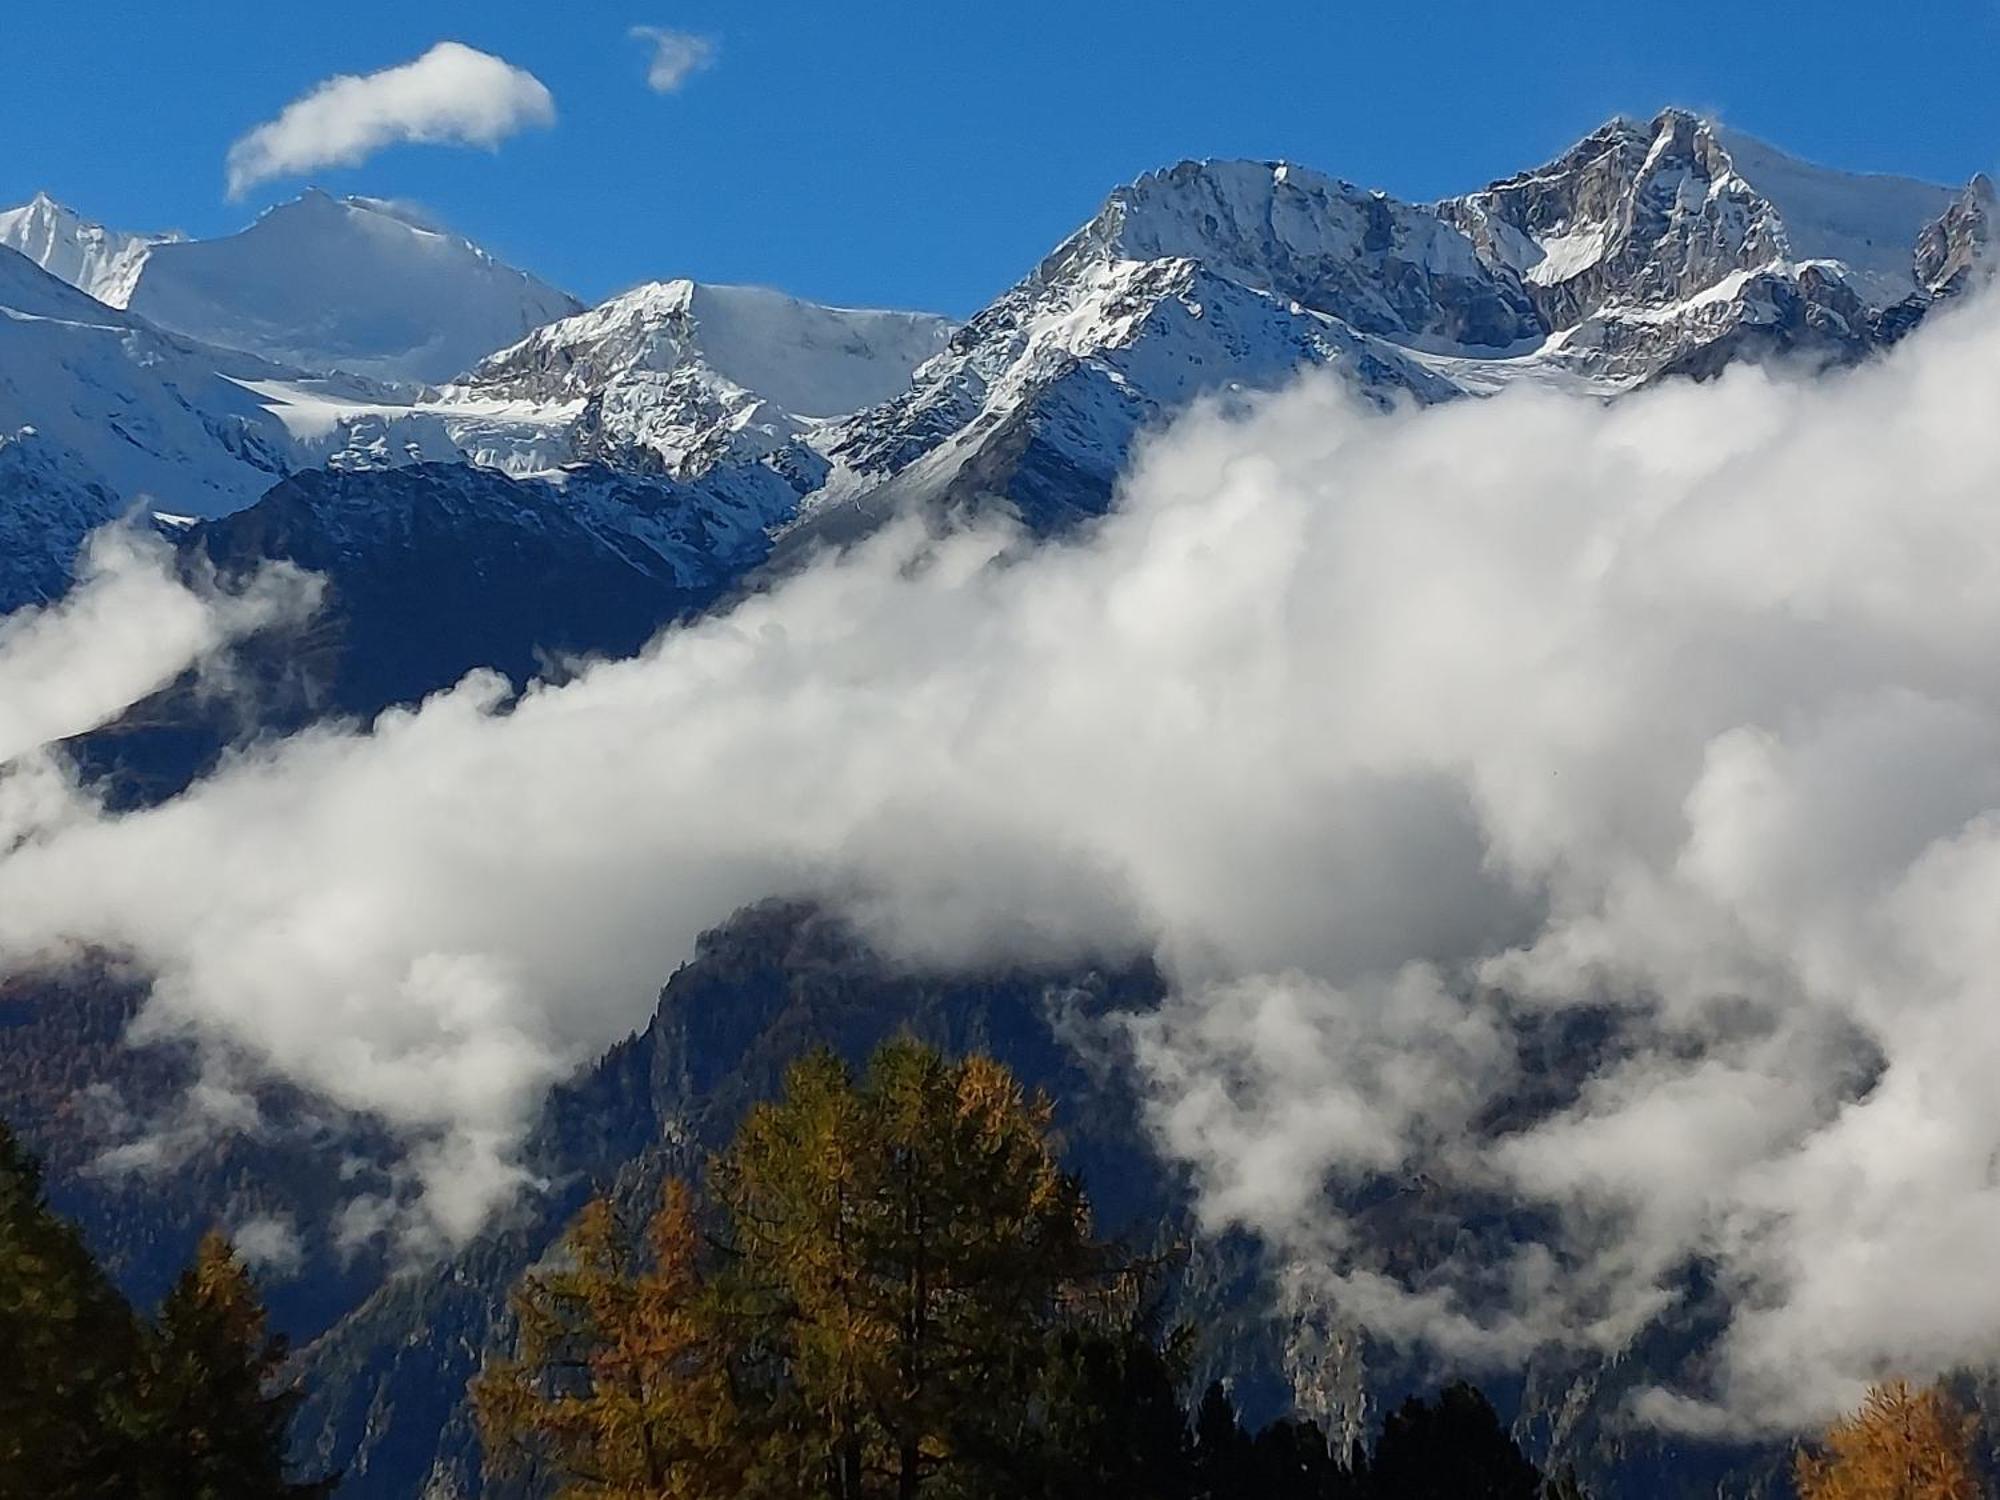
(903, 1299)
(910, 1244)
(1903, 1444)
(96, 1402)
(215, 1397)
(621, 1385)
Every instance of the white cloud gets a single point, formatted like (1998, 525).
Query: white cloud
(127, 628)
(677, 56)
(269, 1243)
(454, 95)
(1684, 708)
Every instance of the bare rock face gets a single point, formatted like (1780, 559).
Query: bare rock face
(1676, 246)
(1954, 252)
(1633, 216)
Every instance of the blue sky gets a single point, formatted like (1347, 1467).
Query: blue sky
(917, 153)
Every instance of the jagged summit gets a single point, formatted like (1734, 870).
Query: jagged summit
(1669, 245)
(812, 360)
(1956, 247)
(1639, 215)
(682, 374)
(1382, 266)
(104, 263)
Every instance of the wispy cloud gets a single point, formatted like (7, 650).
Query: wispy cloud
(454, 95)
(677, 56)
(129, 627)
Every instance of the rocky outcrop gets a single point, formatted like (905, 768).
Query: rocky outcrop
(1954, 252)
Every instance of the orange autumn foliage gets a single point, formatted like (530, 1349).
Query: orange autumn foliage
(1903, 1444)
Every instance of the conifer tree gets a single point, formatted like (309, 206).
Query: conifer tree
(1903, 1444)
(620, 1387)
(1221, 1456)
(69, 1350)
(904, 1300)
(1111, 1418)
(1450, 1449)
(217, 1413)
(94, 1403)
(910, 1243)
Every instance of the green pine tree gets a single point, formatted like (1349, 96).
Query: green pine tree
(1112, 1422)
(68, 1374)
(1222, 1451)
(1453, 1448)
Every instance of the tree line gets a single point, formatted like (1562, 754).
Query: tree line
(887, 1289)
(892, 1290)
(896, 1293)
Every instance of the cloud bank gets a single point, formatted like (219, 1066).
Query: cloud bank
(1670, 727)
(454, 95)
(677, 56)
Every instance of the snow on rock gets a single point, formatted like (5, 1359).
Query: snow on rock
(682, 375)
(352, 284)
(145, 413)
(1662, 225)
(1382, 266)
(104, 263)
(1568, 254)
(1955, 250)
(124, 409)
(1649, 249)
(49, 502)
(1204, 278)
(1867, 222)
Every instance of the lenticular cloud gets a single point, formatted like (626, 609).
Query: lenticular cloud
(1397, 739)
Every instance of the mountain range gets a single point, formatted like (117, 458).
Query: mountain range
(488, 473)
(353, 335)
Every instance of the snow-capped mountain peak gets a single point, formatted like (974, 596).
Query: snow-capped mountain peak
(1382, 266)
(1641, 215)
(813, 361)
(355, 284)
(682, 373)
(1650, 248)
(105, 263)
